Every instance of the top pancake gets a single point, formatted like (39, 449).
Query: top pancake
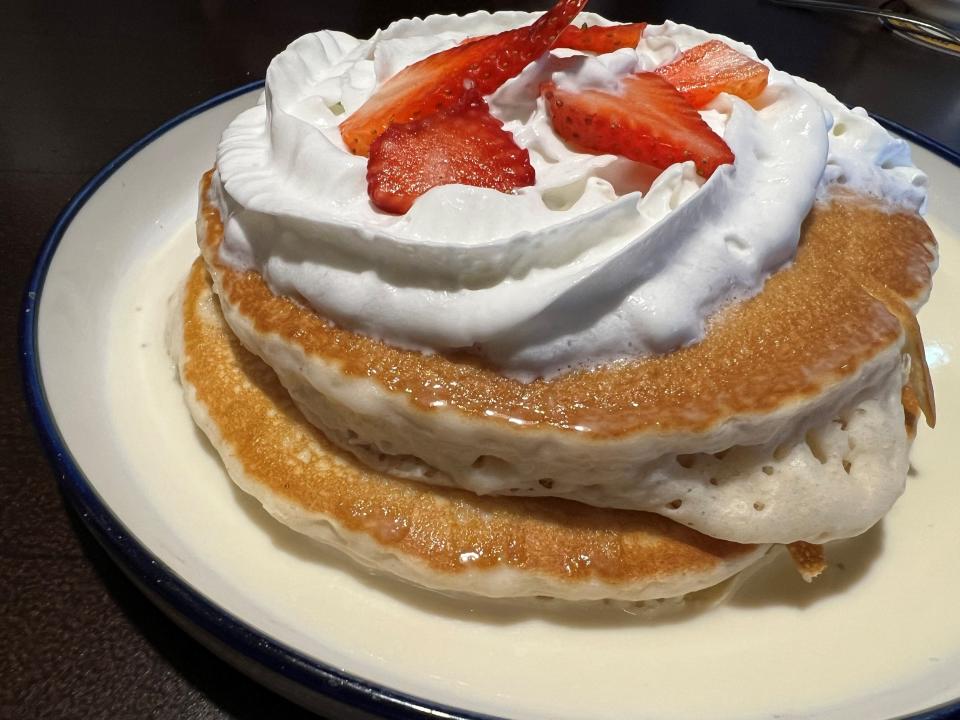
(861, 269)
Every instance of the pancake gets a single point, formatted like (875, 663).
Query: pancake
(784, 424)
(441, 538)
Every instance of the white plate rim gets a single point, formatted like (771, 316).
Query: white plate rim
(304, 679)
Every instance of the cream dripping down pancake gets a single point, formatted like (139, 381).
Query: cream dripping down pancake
(739, 355)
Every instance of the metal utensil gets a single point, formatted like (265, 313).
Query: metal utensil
(916, 25)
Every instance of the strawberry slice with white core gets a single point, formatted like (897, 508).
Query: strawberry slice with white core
(600, 39)
(648, 121)
(703, 72)
(441, 80)
(464, 144)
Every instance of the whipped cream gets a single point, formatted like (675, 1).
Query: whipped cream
(602, 259)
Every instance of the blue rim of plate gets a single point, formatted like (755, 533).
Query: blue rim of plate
(161, 583)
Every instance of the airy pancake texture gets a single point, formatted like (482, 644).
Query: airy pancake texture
(784, 424)
(441, 538)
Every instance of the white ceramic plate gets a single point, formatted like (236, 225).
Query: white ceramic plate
(877, 636)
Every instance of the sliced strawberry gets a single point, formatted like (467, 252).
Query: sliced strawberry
(463, 144)
(649, 121)
(598, 39)
(439, 81)
(703, 72)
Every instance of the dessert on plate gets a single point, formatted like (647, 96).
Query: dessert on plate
(517, 304)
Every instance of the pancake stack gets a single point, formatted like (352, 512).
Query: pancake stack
(789, 424)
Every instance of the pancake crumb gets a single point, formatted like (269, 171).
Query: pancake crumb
(808, 558)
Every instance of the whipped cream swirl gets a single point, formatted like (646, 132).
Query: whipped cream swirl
(602, 259)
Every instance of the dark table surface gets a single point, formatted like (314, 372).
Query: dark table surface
(81, 81)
